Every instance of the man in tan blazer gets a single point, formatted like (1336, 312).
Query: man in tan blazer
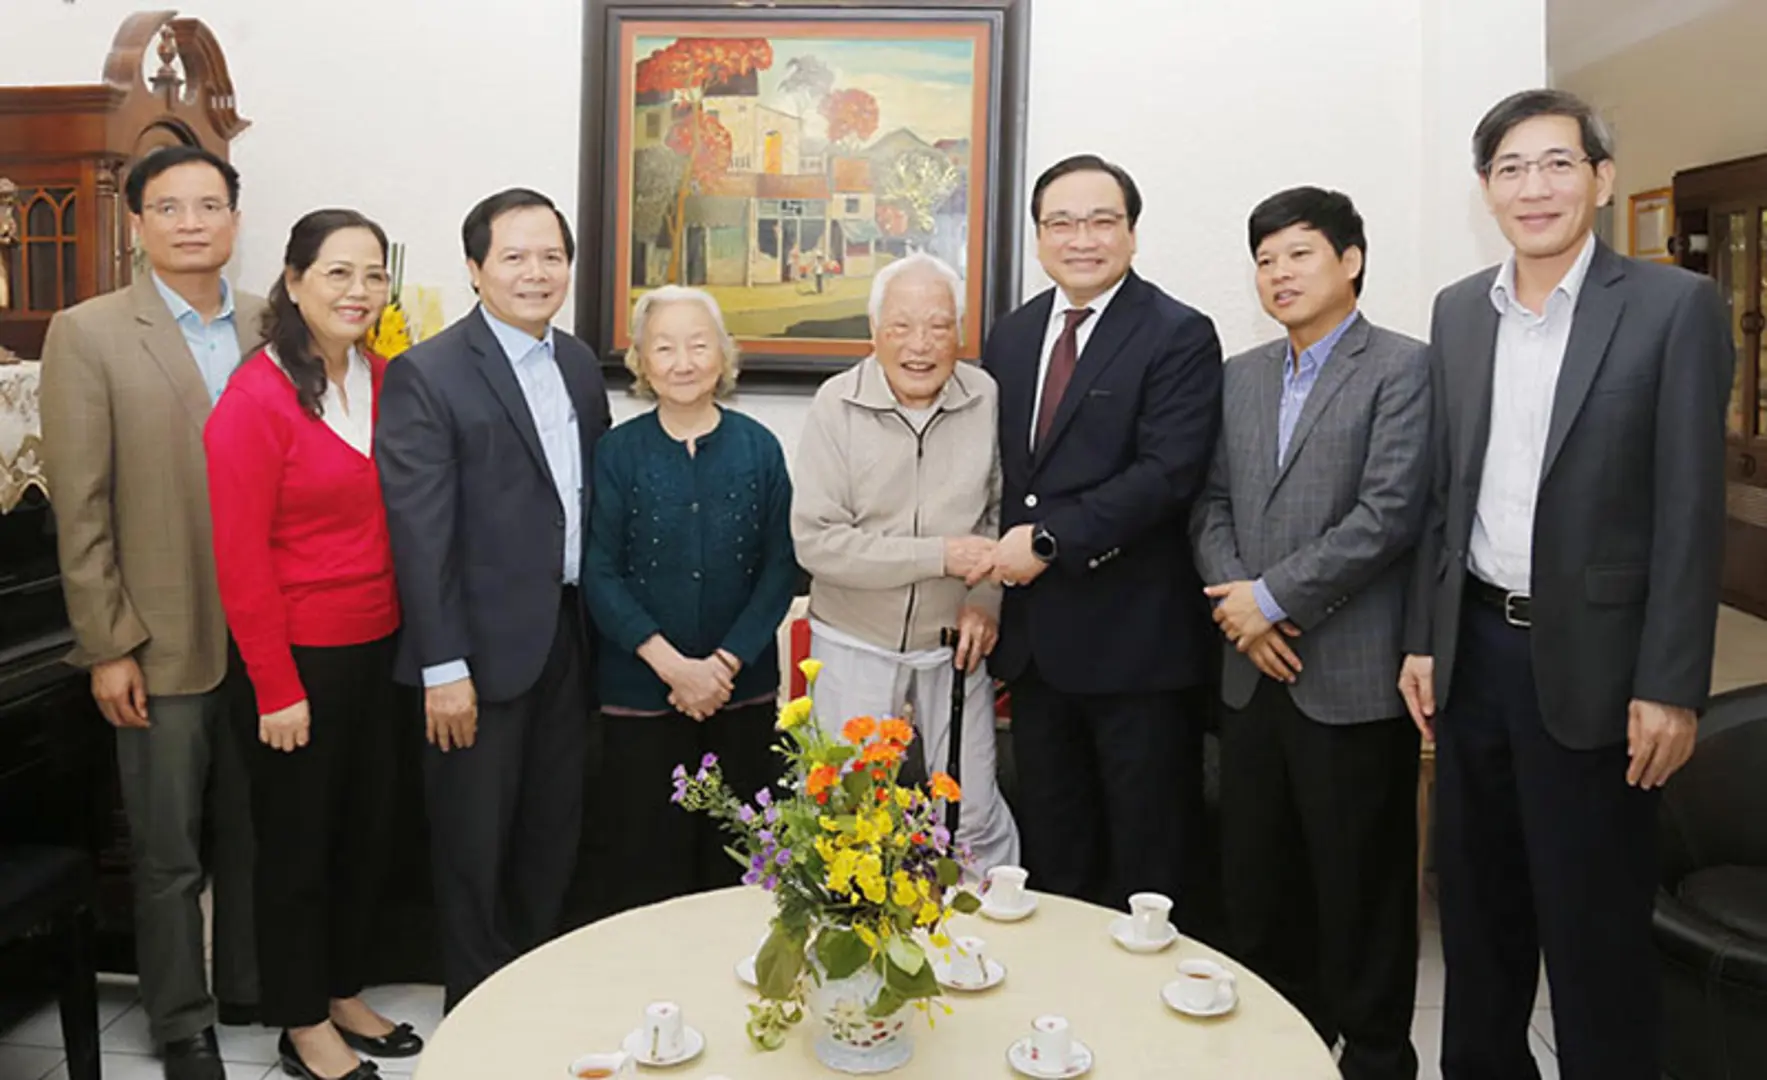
(128, 381)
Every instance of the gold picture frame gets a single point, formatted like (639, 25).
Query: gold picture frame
(1651, 225)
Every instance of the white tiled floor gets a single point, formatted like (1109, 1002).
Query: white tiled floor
(31, 1050)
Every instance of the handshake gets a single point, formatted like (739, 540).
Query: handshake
(1008, 561)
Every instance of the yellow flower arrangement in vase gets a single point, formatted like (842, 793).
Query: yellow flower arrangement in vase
(392, 333)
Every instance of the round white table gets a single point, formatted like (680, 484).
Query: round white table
(584, 992)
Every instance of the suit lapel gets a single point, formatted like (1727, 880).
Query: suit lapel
(1017, 377)
(1598, 314)
(494, 365)
(1477, 371)
(1115, 327)
(1339, 366)
(165, 343)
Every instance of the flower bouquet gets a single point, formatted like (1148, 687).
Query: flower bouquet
(863, 876)
(391, 335)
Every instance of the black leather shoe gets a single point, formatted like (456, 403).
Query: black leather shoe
(195, 1058)
(294, 1066)
(236, 1014)
(401, 1042)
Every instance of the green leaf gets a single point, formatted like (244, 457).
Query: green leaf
(966, 903)
(887, 1003)
(906, 955)
(949, 873)
(857, 785)
(842, 952)
(779, 963)
(910, 985)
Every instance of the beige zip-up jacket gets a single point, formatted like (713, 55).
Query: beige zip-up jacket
(873, 501)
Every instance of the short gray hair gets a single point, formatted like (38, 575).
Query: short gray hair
(880, 285)
(679, 294)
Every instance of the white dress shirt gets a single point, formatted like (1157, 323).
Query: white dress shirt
(354, 424)
(1524, 380)
(1057, 320)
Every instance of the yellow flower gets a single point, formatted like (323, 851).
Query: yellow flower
(929, 914)
(390, 336)
(795, 712)
(865, 935)
(940, 941)
(828, 823)
(904, 798)
(811, 669)
(904, 893)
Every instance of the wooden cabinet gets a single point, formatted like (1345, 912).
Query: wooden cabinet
(1721, 230)
(65, 150)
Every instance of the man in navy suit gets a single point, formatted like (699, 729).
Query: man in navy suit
(1110, 400)
(484, 442)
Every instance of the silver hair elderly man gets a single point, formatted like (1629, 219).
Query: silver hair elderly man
(895, 514)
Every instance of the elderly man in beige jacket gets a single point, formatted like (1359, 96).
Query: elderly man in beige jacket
(895, 512)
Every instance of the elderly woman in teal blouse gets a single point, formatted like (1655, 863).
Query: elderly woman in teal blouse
(690, 572)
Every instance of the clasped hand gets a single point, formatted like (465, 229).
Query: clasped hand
(1008, 561)
(1244, 624)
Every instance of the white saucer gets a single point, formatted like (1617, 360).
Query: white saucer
(1019, 1057)
(693, 1044)
(1170, 997)
(1000, 914)
(994, 976)
(1121, 933)
(745, 972)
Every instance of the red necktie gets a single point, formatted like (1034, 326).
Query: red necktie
(1061, 369)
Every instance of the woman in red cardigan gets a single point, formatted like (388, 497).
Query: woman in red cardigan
(306, 575)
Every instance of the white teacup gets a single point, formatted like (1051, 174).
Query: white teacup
(600, 1065)
(1149, 915)
(1006, 887)
(1052, 1041)
(665, 1031)
(1205, 986)
(969, 964)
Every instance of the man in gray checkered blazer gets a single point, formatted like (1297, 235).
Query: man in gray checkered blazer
(1303, 536)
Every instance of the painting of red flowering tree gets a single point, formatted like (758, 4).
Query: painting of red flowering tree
(781, 162)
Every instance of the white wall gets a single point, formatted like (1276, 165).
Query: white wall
(412, 110)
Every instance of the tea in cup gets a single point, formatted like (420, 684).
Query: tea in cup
(1006, 887)
(1205, 986)
(1148, 915)
(597, 1066)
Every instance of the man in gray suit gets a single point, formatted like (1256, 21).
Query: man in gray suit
(1562, 615)
(1314, 500)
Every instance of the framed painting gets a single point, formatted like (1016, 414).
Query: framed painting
(779, 157)
(1651, 224)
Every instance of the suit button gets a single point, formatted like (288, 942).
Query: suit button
(1091, 564)
(1031, 502)
(696, 575)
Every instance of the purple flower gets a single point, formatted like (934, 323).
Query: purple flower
(766, 837)
(772, 815)
(746, 815)
(708, 761)
(783, 859)
(771, 883)
(764, 798)
(680, 772)
(758, 862)
(753, 877)
(680, 792)
(941, 836)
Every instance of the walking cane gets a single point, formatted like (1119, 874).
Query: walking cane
(949, 637)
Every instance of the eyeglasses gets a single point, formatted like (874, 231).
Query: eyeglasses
(175, 209)
(374, 278)
(1556, 168)
(903, 331)
(1102, 225)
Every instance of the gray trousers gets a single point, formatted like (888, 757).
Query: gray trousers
(183, 772)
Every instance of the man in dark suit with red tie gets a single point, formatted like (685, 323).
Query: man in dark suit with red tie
(1110, 400)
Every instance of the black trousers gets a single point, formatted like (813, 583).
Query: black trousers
(661, 850)
(1319, 858)
(323, 815)
(506, 814)
(1110, 790)
(1541, 848)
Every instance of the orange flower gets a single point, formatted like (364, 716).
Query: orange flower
(881, 753)
(859, 729)
(897, 731)
(946, 788)
(821, 778)
(883, 795)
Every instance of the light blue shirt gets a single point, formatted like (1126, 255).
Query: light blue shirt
(1298, 380)
(214, 345)
(549, 403)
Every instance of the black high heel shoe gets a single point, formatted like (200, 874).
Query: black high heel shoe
(294, 1066)
(401, 1042)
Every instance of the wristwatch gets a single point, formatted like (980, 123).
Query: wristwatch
(1043, 544)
